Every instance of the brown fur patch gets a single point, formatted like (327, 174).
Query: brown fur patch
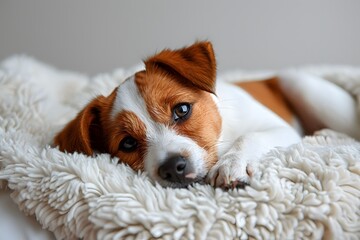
(85, 133)
(268, 93)
(195, 64)
(127, 124)
(94, 130)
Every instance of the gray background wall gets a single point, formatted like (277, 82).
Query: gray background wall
(99, 36)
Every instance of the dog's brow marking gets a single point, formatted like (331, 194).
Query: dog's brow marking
(129, 99)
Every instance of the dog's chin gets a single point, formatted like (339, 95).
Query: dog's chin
(168, 184)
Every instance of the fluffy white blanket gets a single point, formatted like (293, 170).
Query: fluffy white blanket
(308, 191)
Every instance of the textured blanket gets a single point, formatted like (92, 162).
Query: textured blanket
(307, 191)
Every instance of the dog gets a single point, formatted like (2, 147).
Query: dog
(174, 121)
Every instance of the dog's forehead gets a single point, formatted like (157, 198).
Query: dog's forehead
(128, 98)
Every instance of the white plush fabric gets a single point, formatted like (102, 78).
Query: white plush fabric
(308, 191)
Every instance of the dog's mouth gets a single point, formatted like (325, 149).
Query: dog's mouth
(183, 184)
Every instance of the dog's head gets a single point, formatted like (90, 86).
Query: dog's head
(163, 120)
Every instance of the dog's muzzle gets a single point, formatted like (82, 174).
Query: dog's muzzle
(176, 169)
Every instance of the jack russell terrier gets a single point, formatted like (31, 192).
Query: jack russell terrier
(172, 121)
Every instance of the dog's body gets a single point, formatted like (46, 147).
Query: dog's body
(173, 122)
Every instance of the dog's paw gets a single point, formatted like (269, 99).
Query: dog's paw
(230, 173)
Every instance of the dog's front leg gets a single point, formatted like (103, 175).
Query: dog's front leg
(235, 168)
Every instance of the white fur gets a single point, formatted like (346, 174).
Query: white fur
(321, 102)
(249, 130)
(164, 142)
(241, 114)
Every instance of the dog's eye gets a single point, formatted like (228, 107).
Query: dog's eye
(128, 144)
(181, 112)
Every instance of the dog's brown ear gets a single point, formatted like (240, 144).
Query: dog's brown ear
(84, 133)
(196, 64)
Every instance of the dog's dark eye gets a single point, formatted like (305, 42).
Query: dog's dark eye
(181, 112)
(128, 144)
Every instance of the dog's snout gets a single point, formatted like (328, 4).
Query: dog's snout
(173, 169)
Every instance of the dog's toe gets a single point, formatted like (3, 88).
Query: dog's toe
(235, 185)
(230, 177)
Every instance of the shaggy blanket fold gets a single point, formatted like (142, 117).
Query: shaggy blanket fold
(307, 191)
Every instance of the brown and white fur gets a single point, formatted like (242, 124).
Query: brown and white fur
(172, 121)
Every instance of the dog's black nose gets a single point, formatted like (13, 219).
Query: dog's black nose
(173, 169)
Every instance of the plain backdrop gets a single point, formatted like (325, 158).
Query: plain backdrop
(98, 36)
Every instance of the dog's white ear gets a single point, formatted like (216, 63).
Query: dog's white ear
(84, 133)
(195, 64)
